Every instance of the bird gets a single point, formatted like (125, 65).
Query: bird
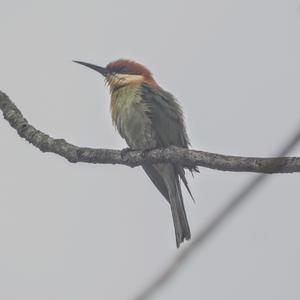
(148, 117)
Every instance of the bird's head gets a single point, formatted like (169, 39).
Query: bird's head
(122, 72)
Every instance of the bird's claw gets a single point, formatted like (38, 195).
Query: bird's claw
(146, 151)
(143, 152)
(125, 151)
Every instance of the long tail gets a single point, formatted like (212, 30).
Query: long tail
(166, 179)
(182, 229)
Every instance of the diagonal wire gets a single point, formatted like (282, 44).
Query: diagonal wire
(212, 226)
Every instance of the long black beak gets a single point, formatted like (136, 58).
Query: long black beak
(101, 70)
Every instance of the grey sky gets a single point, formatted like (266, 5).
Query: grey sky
(102, 232)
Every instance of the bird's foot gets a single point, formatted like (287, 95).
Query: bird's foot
(146, 151)
(125, 151)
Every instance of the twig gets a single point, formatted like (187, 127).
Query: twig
(184, 157)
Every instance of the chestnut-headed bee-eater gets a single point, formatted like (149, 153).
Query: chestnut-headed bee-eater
(148, 117)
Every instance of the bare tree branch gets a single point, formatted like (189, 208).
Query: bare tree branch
(211, 227)
(185, 157)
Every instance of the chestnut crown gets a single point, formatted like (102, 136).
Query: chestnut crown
(124, 66)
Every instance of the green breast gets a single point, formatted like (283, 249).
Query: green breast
(121, 99)
(129, 115)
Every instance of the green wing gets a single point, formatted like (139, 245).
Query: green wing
(166, 116)
(167, 120)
